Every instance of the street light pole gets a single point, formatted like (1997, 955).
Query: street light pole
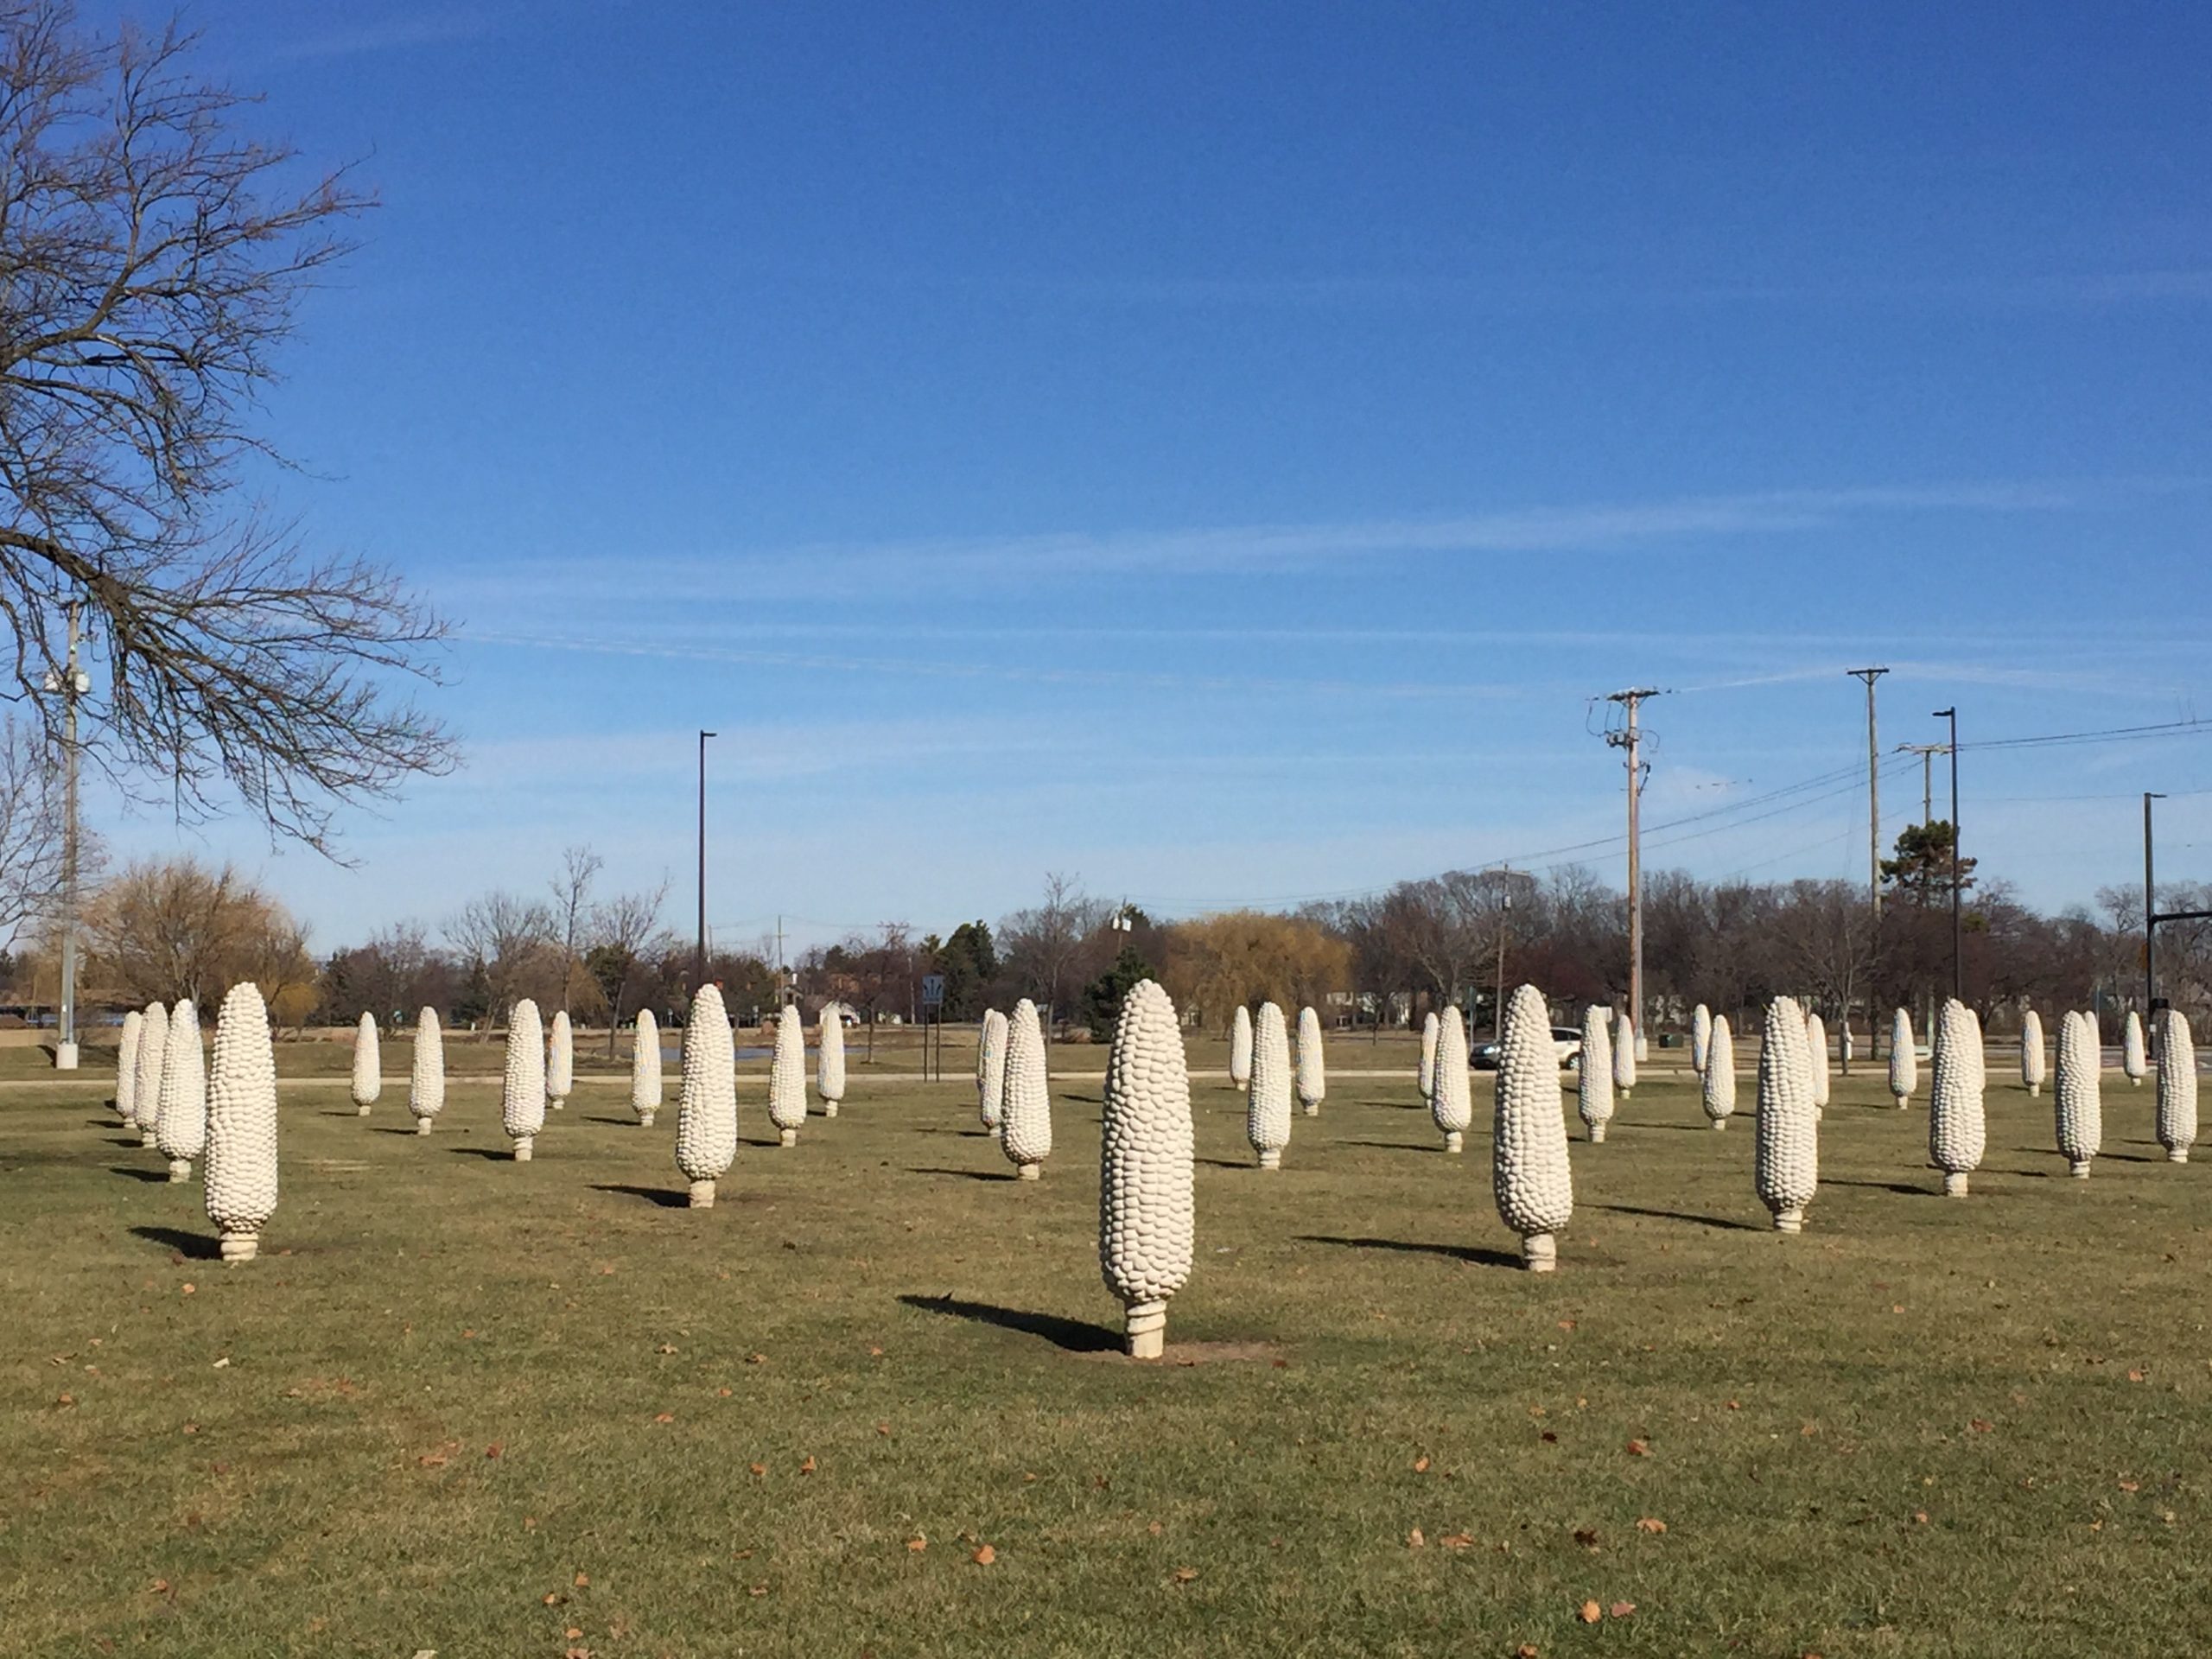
(2149, 916)
(1958, 924)
(699, 948)
(74, 685)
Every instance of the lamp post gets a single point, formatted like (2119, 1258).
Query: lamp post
(2150, 917)
(1958, 924)
(69, 686)
(699, 948)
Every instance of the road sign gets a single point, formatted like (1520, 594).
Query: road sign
(932, 991)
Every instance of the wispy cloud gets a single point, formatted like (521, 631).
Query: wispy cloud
(394, 33)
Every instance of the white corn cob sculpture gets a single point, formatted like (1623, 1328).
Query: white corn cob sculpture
(646, 1088)
(2133, 1059)
(990, 1069)
(1451, 1104)
(241, 1167)
(1267, 1101)
(126, 1068)
(1593, 1074)
(1530, 1177)
(1904, 1062)
(1624, 1057)
(2079, 1092)
(1240, 1047)
(1700, 1038)
(1146, 1214)
(426, 1083)
(787, 1077)
(1718, 1094)
(153, 1044)
(2031, 1067)
(1025, 1116)
(706, 1111)
(830, 1059)
(560, 1061)
(1957, 1128)
(1313, 1070)
(1430, 1026)
(1786, 1150)
(368, 1064)
(1817, 1056)
(522, 1094)
(2177, 1086)
(181, 1125)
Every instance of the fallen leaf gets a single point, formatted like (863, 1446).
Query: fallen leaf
(582, 1579)
(1526, 1651)
(552, 1599)
(1980, 1424)
(1650, 1523)
(188, 1289)
(1639, 1448)
(1621, 1609)
(1184, 1574)
(723, 1393)
(1414, 1540)
(571, 1634)
(1420, 1465)
(2131, 1486)
(431, 1460)
(807, 1468)
(1567, 1325)
(160, 1586)
(1548, 1438)
(759, 1468)
(1735, 1405)
(916, 1544)
(757, 1360)
(1590, 1613)
(494, 1449)
(1456, 1541)
(1920, 1517)
(757, 1590)
(2132, 1376)
(984, 1555)
(885, 1428)
(875, 1353)
(664, 1417)
(1586, 1536)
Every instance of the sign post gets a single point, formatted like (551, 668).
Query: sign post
(933, 1026)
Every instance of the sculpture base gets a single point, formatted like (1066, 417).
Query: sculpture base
(1145, 1330)
(829, 1108)
(644, 1120)
(1720, 1123)
(2178, 1154)
(523, 1148)
(702, 1195)
(180, 1169)
(1313, 1108)
(1954, 1186)
(1819, 1113)
(2079, 1169)
(2034, 1091)
(1597, 1133)
(1271, 1160)
(1539, 1253)
(1624, 1092)
(557, 1102)
(360, 1110)
(1790, 1221)
(2135, 1083)
(1904, 1101)
(145, 1136)
(65, 1057)
(1453, 1141)
(421, 1126)
(241, 1247)
(787, 1137)
(1031, 1172)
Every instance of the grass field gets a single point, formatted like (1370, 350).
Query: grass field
(482, 1408)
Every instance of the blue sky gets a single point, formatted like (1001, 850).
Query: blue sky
(1221, 451)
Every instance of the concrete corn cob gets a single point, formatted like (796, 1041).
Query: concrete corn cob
(1147, 1209)
(1427, 1075)
(1267, 1101)
(1313, 1069)
(126, 1067)
(241, 1167)
(1718, 1092)
(180, 1123)
(1786, 1150)
(522, 1092)
(1957, 1128)
(2177, 1086)
(153, 1045)
(1530, 1177)
(2078, 1092)
(1025, 1117)
(706, 1109)
(1817, 1056)
(1904, 1064)
(1700, 1038)
(426, 1081)
(1240, 1047)
(1593, 1074)
(646, 1088)
(368, 1065)
(1451, 1106)
(787, 1078)
(1626, 1057)
(990, 1069)
(560, 1061)
(2133, 1059)
(2032, 1066)
(829, 1061)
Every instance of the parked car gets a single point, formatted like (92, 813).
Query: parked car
(1565, 1040)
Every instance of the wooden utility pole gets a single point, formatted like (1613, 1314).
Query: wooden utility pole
(1630, 738)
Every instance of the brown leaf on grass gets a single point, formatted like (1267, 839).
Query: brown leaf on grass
(664, 1417)
(757, 1590)
(159, 1586)
(807, 1467)
(665, 1348)
(984, 1555)
(1920, 1517)
(494, 1449)
(2131, 1486)
(552, 1599)
(188, 1288)
(1639, 1448)
(722, 1393)
(916, 1544)
(1548, 1438)
(1980, 1424)
(885, 1429)
(875, 1353)
(1590, 1613)
(1155, 1528)
(572, 1634)
(1414, 1540)
(756, 1359)
(1458, 1541)
(1735, 1405)
(430, 1460)
(1586, 1536)
(1567, 1325)
(1650, 1523)
(582, 1579)
(1526, 1651)
(1421, 1464)
(1621, 1609)
(759, 1468)
(2132, 1376)
(1184, 1574)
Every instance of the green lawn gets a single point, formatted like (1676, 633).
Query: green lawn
(484, 1408)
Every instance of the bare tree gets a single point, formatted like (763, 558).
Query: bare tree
(1048, 947)
(30, 831)
(624, 941)
(517, 941)
(153, 257)
(571, 907)
(163, 930)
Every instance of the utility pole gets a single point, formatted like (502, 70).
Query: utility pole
(1927, 752)
(699, 948)
(72, 685)
(1958, 923)
(2150, 917)
(1628, 737)
(1873, 798)
(1498, 1001)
